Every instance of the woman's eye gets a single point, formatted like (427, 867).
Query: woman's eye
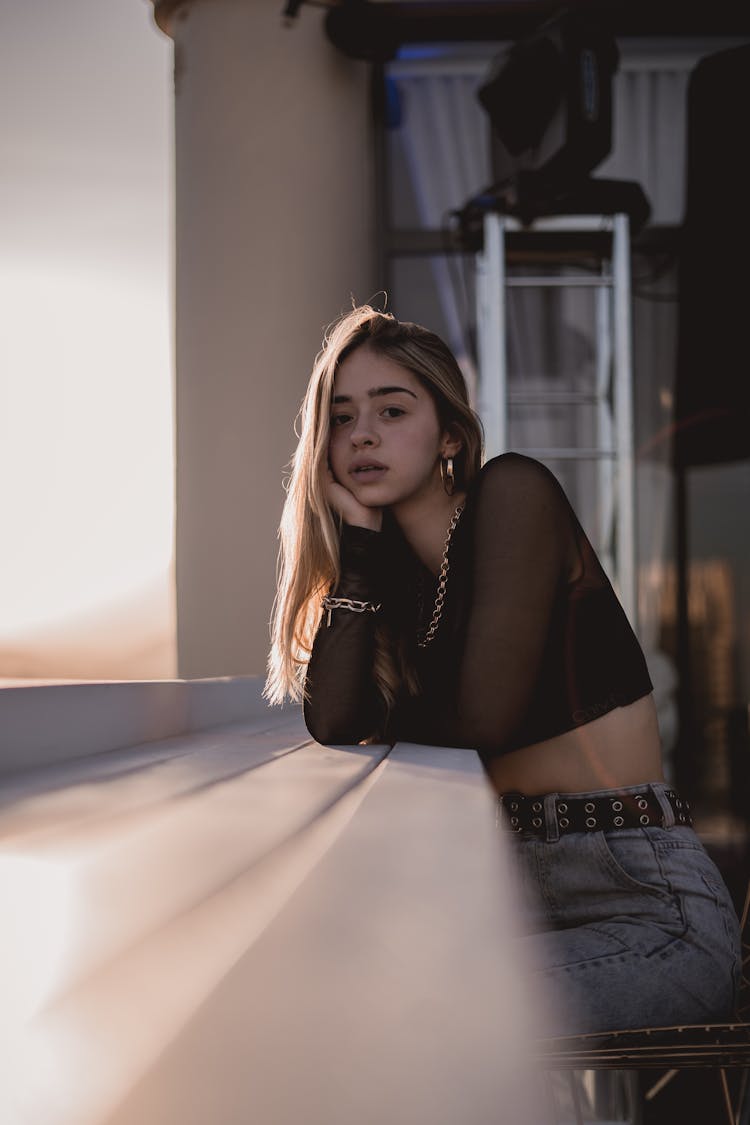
(393, 411)
(339, 419)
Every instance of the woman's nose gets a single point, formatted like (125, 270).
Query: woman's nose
(362, 434)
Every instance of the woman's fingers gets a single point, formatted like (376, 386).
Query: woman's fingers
(349, 508)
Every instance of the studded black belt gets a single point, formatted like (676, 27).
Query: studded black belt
(590, 814)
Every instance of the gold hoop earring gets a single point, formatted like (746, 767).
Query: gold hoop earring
(447, 475)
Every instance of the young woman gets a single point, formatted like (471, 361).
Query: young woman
(426, 597)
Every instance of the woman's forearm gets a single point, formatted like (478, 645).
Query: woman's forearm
(342, 704)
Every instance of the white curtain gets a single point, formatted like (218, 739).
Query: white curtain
(443, 143)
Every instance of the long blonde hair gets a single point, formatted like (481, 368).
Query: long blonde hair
(308, 563)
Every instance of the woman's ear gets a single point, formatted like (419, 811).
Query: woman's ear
(451, 443)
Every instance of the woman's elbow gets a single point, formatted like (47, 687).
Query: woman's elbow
(330, 730)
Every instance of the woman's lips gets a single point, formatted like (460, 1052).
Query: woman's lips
(369, 475)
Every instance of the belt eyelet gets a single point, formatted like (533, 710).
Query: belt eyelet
(617, 806)
(619, 821)
(513, 821)
(537, 822)
(591, 822)
(537, 806)
(513, 806)
(589, 807)
(641, 802)
(645, 819)
(564, 822)
(562, 807)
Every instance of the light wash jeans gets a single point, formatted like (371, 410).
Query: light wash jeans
(629, 928)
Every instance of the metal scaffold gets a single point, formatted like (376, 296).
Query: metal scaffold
(612, 392)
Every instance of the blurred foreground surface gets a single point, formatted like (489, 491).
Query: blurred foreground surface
(237, 924)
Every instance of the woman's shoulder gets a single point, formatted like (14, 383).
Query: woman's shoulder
(518, 498)
(516, 475)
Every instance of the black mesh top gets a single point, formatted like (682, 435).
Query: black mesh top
(532, 640)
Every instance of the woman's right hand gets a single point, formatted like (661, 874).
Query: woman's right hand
(349, 508)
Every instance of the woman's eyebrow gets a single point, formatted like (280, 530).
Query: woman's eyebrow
(374, 392)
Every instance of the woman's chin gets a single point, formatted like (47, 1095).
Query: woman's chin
(373, 495)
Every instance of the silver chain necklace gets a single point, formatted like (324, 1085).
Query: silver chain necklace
(442, 582)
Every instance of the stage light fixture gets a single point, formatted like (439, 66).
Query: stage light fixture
(549, 100)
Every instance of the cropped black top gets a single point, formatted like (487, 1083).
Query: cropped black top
(532, 640)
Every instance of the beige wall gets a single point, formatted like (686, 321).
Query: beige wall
(273, 234)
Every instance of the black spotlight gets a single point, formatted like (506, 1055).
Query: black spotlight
(549, 99)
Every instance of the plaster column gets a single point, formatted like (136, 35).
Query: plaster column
(274, 233)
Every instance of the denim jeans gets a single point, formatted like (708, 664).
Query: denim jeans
(628, 928)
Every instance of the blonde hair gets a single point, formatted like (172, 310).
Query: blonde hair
(308, 563)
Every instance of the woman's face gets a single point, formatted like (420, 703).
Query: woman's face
(386, 440)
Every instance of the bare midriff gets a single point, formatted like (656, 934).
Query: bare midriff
(618, 749)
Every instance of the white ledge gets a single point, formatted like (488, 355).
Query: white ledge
(54, 723)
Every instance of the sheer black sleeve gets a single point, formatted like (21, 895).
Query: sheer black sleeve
(342, 705)
(520, 549)
(517, 548)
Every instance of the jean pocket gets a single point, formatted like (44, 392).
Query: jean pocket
(633, 862)
(723, 904)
